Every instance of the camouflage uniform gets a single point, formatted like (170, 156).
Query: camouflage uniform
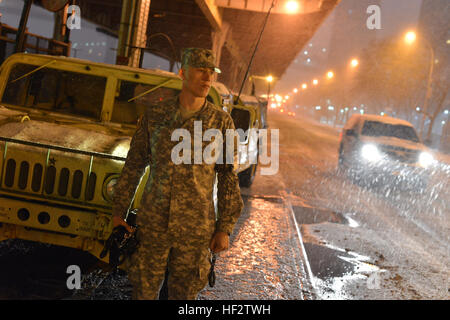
(176, 216)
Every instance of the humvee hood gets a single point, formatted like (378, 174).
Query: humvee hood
(64, 135)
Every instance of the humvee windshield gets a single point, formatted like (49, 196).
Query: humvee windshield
(55, 90)
(374, 128)
(126, 111)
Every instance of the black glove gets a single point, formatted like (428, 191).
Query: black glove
(122, 244)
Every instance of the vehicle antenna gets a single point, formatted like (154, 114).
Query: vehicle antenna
(254, 51)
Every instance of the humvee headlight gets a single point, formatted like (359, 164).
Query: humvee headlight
(425, 159)
(108, 187)
(370, 152)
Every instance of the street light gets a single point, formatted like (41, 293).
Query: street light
(315, 82)
(354, 63)
(330, 74)
(410, 38)
(291, 7)
(304, 86)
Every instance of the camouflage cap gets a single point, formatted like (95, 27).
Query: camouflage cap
(199, 58)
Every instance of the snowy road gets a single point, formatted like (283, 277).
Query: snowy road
(346, 241)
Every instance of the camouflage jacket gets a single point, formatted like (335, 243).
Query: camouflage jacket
(178, 197)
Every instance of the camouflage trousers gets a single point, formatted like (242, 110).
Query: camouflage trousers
(188, 262)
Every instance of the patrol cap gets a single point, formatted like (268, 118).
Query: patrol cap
(199, 58)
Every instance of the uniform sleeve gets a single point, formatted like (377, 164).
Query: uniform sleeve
(230, 203)
(137, 159)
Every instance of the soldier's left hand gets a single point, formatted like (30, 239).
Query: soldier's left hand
(219, 242)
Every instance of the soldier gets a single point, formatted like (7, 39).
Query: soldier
(177, 218)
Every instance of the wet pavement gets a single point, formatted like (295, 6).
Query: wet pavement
(264, 261)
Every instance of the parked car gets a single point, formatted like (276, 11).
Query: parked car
(385, 151)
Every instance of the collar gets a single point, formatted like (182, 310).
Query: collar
(201, 114)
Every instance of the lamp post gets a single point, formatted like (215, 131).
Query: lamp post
(410, 38)
(269, 79)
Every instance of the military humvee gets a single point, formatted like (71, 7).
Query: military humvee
(251, 114)
(65, 130)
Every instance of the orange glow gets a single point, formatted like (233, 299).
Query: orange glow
(304, 86)
(410, 37)
(354, 63)
(281, 110)
(291, 7)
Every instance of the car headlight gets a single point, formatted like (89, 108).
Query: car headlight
(108, 187)
(370, 152)
(425, 159)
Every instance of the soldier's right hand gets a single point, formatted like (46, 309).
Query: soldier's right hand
(118, 221)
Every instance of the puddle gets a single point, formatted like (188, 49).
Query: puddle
(334, 269)
(307, 215)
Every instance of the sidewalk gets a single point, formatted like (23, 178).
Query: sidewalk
(264, 259)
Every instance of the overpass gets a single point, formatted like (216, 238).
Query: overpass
(229, 27)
